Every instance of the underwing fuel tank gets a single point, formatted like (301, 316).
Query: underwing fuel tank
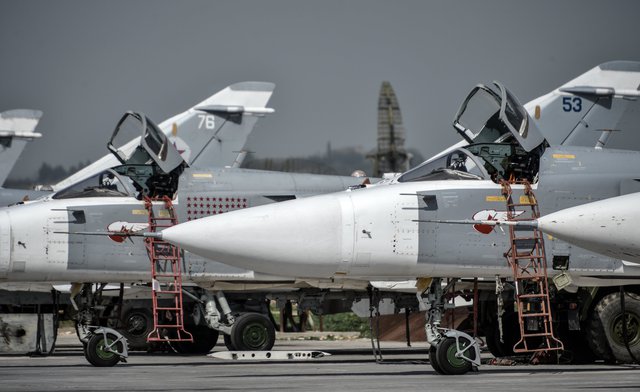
(608, 227)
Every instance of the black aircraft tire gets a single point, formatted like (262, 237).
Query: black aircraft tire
(228, 343)
(492, 338)
(447, 361)
(510, 335)
(137, 324)
(433, 360)
(95, 353)
(204, 339)
(606, 328)
(253, 332)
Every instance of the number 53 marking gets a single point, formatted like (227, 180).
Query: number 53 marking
(572, 104)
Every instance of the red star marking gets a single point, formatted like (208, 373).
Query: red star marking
(208, 205)
(227, 206)
(207, 199)
(188, 212)
(244, 205)
(188, 199)
(201, 198)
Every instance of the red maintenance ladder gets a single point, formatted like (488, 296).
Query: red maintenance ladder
(527, 259)
(166, 277)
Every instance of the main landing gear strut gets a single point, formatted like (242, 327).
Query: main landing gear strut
(451, 351)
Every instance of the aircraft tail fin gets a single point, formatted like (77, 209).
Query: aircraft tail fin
(215, 130)
(598, 108)
(208, 134)
(16, 129)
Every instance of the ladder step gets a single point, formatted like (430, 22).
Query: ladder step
(532, 276)
(170, 340)
(170, 326)
(168, 308)
(167, 275)
(534, 314)
(532, 295)
(167, 292)
(537, 335)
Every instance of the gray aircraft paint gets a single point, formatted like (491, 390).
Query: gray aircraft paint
(92, 253)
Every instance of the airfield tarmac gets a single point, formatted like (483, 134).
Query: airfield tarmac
(349, 368)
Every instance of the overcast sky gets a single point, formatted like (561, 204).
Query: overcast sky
(86, 62)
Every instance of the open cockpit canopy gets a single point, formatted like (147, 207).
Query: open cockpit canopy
(152, 145)
(495, 116)
(503, 143)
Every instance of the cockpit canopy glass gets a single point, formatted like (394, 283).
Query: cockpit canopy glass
(455, 165)
(494, 115)
(149, 143)
(106, 184)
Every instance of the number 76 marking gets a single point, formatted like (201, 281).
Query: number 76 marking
(206, 120)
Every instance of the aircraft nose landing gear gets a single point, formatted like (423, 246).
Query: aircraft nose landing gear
(105, 347)
(455, 353)
(452, 352)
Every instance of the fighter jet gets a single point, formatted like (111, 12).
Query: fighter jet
(154, 182)
(16, 130)
(390, 230)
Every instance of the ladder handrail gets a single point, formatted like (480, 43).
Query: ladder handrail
(532, 273)
(162, 252)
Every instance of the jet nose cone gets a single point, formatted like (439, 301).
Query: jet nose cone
(295, 238)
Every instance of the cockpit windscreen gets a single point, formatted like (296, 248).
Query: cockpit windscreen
(106, 184)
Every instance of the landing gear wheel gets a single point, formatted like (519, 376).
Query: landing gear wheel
(447, 360)
(253, 332)
(607, 319)
(433, 360)
(510, 335)
(96, 352)
(228, 343)
(204, 339)
(138, 323)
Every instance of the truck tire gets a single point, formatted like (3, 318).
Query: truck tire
(605, 328)
(253, 332)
